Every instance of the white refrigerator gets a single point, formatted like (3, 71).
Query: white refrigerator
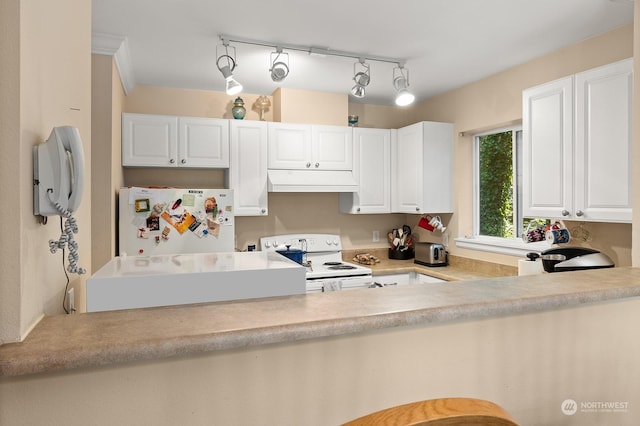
(175, 221)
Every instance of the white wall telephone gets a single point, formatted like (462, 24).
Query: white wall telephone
(58, 178)
(58, 173)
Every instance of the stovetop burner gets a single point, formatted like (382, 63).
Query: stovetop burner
(341, 266)
(332, 263)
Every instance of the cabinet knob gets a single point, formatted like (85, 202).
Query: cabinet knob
(358, 209)
(579, 213)
(183, 161)
(263, 211)
(565, 213)
(417, 209)
(317, 165)
(308, 165)
(172, 161)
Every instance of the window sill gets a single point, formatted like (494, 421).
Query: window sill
(508, 246)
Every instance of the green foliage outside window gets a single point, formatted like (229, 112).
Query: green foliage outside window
(496, 185)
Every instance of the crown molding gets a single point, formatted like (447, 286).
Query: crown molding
(118, 47)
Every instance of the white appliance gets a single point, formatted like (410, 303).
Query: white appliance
(176, 279)
(325, 270)
(171, 221)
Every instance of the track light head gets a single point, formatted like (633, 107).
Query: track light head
(233, 87)
(358, 91)
(362, 79)
(401, 84)
(279, 67)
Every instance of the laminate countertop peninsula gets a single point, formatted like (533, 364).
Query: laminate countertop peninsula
(63, 342)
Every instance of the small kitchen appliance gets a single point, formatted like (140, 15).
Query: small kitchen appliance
(431, 254)
(326, 271)
(561, 259)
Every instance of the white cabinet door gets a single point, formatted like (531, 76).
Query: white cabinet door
(203, 142)
(303, 146)
(407, 170)
(248, 168)
(579, 169)
(603, 143)
(332, 147)
(547, 123)
(372, 169)
(422, 169)
(149, 140)
(168, 141)
(289, 146)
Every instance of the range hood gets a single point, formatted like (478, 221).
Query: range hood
(312, 181)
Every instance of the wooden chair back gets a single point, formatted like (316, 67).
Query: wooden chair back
(439, 412)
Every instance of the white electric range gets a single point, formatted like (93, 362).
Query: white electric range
(326, 271)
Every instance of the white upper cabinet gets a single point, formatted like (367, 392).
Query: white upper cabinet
(422, 169)
(247, 174)
(170, 141)
(547, 166)
(577, 146)
(203, 142)
(303, 146)
(332, 147)
(372, 169)
(603, 143)
(149, 140)
(289, 146)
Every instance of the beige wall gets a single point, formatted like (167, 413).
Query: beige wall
(636, 138)
(304, 106)
(10, 254)
(48, 71)
(107, 98)
(528, 363)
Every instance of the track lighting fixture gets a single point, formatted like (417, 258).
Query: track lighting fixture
(362, 79)
(226, 64)
(401, 84)
(279, 68)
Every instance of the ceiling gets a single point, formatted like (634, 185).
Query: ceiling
(445, 43)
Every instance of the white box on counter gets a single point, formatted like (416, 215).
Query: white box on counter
(177, 279)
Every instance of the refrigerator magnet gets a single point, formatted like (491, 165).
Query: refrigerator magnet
(188, 200)
(153, 223)
(142, 205)
(143, 233)
(165, 233)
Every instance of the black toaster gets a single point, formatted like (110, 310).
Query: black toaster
(430, 254)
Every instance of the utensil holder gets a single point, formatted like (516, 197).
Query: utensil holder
(401, 254)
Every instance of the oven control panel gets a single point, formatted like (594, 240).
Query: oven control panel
(305, 242)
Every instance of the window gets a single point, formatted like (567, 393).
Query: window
(498, 220)
(497, 204)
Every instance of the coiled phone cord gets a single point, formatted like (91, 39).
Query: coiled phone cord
(67, 239)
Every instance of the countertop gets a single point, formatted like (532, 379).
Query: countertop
(458, 269)
(83, 340)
